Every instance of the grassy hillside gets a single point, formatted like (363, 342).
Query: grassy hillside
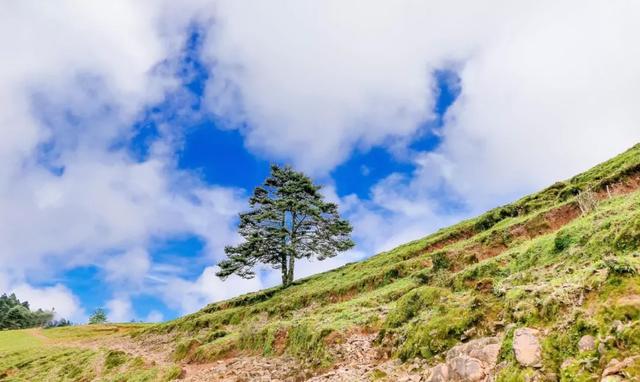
(75, 354)
(564, 261)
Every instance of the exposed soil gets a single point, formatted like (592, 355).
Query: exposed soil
(454, 238)
(356, 359)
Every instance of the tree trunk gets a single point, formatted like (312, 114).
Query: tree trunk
(292, 260)
(283, 255)
(285, 273)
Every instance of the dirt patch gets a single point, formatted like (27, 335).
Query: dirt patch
(546, 223)
(550, 221)
(628, 184)
(248, 368)
(631, 300)
(445, 242)
(280, 342)
(156, 349)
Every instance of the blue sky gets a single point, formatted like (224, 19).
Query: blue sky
(134, 132)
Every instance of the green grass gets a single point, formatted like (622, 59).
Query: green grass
(25, 356)
(17, 340)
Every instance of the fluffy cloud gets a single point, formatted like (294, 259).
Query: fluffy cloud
(187, 296)
(75, 77)
(129, 268)
(552, 95)
(314, 80)
(154, 316)
(120, 310)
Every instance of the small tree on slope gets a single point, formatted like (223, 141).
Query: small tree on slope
(288, 220)
(98, 317)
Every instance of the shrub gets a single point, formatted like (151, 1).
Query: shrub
(99, 316)
(411, 304)
(562, 241)
(629, 237)
(440, 261)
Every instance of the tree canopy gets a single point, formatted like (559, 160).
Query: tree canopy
(99, 316)
(288, 220)
(15, 314)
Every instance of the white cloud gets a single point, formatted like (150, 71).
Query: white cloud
(74, 78)
(129, 268)
(314, 79)
(186, 296)
(552, 95)
(154, 316)
(120, 309)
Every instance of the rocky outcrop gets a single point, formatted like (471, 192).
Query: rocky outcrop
(526, 346)
(587, 343)
(614, 368)
(471, 362)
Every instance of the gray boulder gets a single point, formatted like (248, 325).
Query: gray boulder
(526, 346)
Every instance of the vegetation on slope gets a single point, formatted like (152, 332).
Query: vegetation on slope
(562, 259)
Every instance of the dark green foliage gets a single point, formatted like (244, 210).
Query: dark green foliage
(439, 332)
(629, 238)
(98, 317)
(215, 335)
(440, 261)
(288, 220)
(493, 217)
(58, 323)
(562, 241)
(506, 349)
(17, 315)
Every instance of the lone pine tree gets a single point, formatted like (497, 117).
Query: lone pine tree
(288, 220)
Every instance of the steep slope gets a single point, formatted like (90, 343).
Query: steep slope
(546, 288)
(564, 261)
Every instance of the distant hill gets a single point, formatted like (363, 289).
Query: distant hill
(545, 288)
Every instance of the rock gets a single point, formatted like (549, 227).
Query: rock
(566, 363)
(614, 366)
(618, 326)
(439, 373)
(484, 349)
(526, 345)
(587, 343)
(472, 361)
(612, 378)
(467, 369)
